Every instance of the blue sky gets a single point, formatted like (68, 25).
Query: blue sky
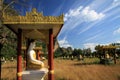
(87, 22)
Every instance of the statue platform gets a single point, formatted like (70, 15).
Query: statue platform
(34, 74)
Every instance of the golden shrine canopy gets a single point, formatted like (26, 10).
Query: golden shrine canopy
(34, 25)
(110, 47)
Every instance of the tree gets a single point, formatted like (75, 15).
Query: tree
(99, 50)
(64, 52)
(69, 50)
(58, 53)
(7, 37)
(77, 52)
(87, 52)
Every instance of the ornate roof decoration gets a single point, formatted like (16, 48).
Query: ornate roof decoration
(32, 17)
(110, 47)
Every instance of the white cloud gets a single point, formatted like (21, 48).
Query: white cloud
(91, 15)
(117, 31)
(117, 41)
(115, 3)
(86, 14)
(90, 45)
(75, 17)
(64, 43)
(93, 45)
(88, 27)
(93, 37)
(72, 13)
(115, 0)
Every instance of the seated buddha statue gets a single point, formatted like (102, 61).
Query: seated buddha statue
(32, 62)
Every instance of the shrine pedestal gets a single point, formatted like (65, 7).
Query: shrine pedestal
(34, 74)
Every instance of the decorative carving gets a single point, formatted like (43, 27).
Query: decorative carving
(32, 17)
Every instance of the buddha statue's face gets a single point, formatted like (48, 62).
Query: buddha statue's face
(32, 45)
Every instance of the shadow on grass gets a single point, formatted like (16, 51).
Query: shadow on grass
(78, 64)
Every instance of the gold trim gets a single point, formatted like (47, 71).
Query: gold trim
(19, 74)
(51, 72)
(32, 17)
(10, 22)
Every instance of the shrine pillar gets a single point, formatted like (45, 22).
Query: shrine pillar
(19, 56)
(50, 56)
(38, 54)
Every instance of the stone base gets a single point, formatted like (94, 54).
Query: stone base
(34, 74)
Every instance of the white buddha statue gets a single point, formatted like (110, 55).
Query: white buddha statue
(35, 70)
(33, 63)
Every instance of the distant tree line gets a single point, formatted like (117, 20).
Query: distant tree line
(99, 51)
(72, 53)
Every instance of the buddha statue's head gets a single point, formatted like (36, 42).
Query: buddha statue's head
(32, 45)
